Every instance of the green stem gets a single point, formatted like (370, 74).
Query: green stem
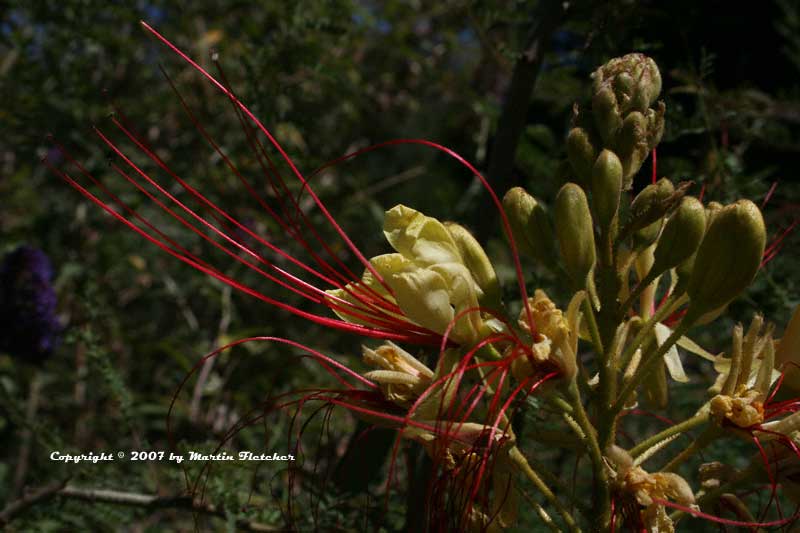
(591, 322)
(561, 487)
(489, 353)
(638, 290)
(522, 462)
(647, 327)
(677, 429)
(705, 438)
(649, 361)
(602, 494)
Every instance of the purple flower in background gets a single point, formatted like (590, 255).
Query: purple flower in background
(29, 328)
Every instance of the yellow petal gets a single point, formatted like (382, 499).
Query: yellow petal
(419, 238)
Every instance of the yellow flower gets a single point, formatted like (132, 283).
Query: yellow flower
(429, 278)
(556, 337)
(631, 482)
(401, 377)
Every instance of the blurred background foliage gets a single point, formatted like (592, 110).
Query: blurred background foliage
(495, 81)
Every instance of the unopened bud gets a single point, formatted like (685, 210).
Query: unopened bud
(581, 153)
(639, 134)
(728, 257)
(477, 262)
(575, 233)
(634, 78)
(607, 116)
(530, 224)
(712, 209)
(606, 187)
(632, 145)
(685, 268)
(681, 236)
(655, 124)
(652, 203)
(644, 237)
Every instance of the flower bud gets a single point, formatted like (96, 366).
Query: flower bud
(685, 268)
(712, 210)
(681, 236)
(634, 78)
(652, 203)
(728, 257)
(632, 145)
(606, 187)
(581, 153)
(607, 116)
(530, 225)
(655, 124)
(644, 237)
(639, 134)
(477, 262)
(575, 233)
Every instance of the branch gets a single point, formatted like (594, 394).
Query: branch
(28, 499)
(513, 116)
(149, 501)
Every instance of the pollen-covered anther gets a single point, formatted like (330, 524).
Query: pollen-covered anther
(633, 482)
(553, 340)
(401, 377)
(743, 410)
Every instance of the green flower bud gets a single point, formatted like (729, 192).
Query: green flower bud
(606, 187)
(681, 236)
(575, 233)
(640, 133)
(607, 116)
(652, 203)
(477, 262)
(728, 257)
(632, 145)
(655, 125)
(685, 268)
(644, 237)
(712, 210)
(530, 225)
(634, 78)
(581, 153)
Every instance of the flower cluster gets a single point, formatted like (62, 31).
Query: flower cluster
(30, 328)
(639, 273)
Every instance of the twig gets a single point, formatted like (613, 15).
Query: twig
(513, 116)
(28, 499)
(522, 463)
(390, 181)
(150, 501)
(205, 371)
(26, 439)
